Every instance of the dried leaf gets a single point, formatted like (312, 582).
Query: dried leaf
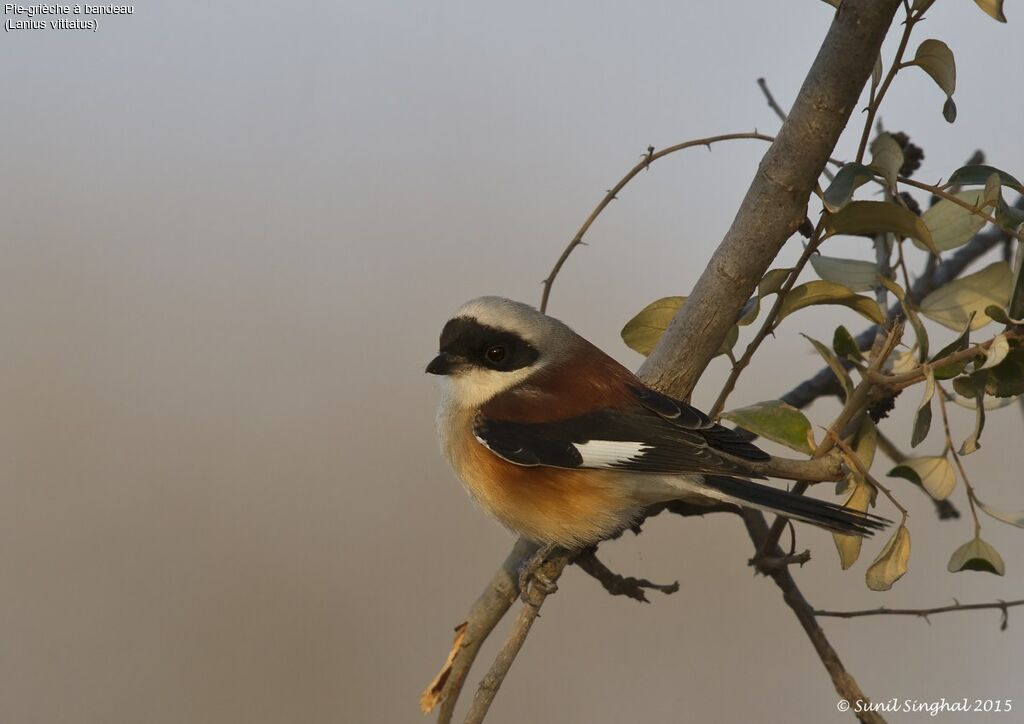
(891, 563)
(431, 696)
(923, 417)
(973, 443)
(848, 545)
(932, 472)
(1015, 518)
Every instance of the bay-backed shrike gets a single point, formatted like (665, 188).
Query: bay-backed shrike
(565, 446)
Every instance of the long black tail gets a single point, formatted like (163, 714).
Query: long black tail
(810, 510)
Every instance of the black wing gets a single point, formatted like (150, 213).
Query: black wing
(658, 435)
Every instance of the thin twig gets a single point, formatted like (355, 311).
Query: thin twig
(951, 448)
(492, 681)
(770, 320)
(854, 406)
(918, 374)
(856, 462)
(763, 84)
(649, 158)
(845, 685)
(926, 612)
(876, 100)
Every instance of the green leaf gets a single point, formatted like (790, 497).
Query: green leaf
(978, 175)
(952, 304)
(999, 315)
(776, 421)
(848, 545)
(822, 292)
(643, 331)
(1015, 518)
(949, 110)
(976, 555)
(962, 341)
(950, 224)
(848, 179)
(1006, 379)
(1015, 310)
(932, 472)
(770, 283)
(833, 364)
(923, 416)
(993, 8)
(876, 217)
(891, 563)
(857, 275)
(886, 157)
(936, 59)
(845, 345)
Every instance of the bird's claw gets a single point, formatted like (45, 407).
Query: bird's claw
(534, 584)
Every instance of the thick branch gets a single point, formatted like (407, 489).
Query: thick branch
(776, 202)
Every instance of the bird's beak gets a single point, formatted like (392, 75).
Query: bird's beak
(443, 364)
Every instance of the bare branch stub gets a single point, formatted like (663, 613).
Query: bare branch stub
(618, 585)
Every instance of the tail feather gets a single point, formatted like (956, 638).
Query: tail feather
(829, 516)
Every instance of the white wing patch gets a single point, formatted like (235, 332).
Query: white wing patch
(608, 453)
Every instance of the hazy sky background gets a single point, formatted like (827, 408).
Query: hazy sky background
(232, 232)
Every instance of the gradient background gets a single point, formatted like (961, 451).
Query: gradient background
(232, 232)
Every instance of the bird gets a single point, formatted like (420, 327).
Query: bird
(566, 447)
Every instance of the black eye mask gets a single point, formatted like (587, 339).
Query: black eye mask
(481, 345)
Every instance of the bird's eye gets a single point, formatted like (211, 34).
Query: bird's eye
(496, 354)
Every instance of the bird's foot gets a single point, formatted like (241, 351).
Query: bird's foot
(533, 580)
